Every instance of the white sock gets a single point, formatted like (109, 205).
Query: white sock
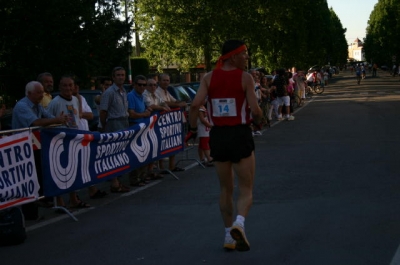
(227, 230)
(240, 219)
(270, 112)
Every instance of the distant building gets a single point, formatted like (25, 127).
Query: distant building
(356, 52)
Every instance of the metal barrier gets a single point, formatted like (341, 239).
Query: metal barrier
(47, 136)
(190, 146)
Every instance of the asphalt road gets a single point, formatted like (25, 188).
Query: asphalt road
(327, 191)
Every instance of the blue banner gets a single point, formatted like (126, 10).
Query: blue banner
(73, 159)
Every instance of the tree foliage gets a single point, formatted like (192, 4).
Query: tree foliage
(83, 37)
(188, 32)
(383, 32)
(338, 49)
(140, 66)
(88, 37)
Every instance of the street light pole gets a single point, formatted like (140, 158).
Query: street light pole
(137, 41)
(128, 44)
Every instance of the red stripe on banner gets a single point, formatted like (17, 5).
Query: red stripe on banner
(171, 150)
(13, 142)
(6, 205)
(36, 140)
(112, 172)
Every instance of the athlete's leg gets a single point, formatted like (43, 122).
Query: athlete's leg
(245, 170)
(226, 180)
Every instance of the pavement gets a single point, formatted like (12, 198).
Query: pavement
(337, 202)
(187, 159)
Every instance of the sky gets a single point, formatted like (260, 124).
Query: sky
(354, 16)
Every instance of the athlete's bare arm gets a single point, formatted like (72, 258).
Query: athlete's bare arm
(199, 99)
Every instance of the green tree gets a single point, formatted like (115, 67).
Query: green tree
(281, 39)
(88, 37)
(80, 37)
(298, 34)
(339, 51)
(383, 32)
(141, 66)
(187, 32)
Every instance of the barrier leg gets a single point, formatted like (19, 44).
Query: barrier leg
(172, 173)
(187, 158)
(62, 208)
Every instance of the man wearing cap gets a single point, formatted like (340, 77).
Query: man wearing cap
(232, 103)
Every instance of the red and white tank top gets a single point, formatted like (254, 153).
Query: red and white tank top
(227, 104)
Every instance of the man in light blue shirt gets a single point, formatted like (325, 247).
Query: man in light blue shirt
(28, 112)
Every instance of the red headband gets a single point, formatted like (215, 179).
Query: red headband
(222, 58)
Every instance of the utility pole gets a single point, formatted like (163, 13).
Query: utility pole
(128, 44)
(137, 44)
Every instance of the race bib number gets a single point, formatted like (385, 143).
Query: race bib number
(224, 107)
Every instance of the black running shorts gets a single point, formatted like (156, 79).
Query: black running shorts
(231, 143)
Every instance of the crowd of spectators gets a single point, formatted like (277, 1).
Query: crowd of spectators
(118, 110)
(276, 92)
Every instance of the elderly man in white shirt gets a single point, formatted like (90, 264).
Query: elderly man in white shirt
(171, 102)
(153, 101)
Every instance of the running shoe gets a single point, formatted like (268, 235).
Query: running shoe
(229, 242)
(237, 233)
(209, 164)
(290, 118)
(256, 133)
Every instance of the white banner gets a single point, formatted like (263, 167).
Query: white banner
(18, 178)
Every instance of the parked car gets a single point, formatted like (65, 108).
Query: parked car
(90, 96)
(182, 93)
(384, 68)
(194, 85)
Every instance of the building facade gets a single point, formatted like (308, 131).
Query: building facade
(356, 51)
